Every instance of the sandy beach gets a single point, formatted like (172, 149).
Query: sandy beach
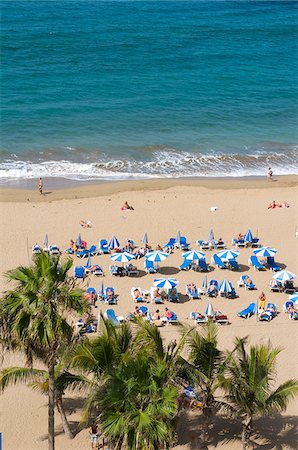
(161, 208)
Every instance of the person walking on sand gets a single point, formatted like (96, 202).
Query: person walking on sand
(93, 431)
(40, 185)
(269, 174)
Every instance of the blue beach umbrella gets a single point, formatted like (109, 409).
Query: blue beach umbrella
(122, 257)
(46, 241)
(88, 265)
(102, 290)
(225, 287)
(209, 310)
(293, 297)
(145, 239)
(156, 256)
(284, 275)
(228, 254)
(211, 235)
(193, 255)
(114, 243)
(248, 236)
(165, 283)
(205, 283)
(265, 251)
(79, 240)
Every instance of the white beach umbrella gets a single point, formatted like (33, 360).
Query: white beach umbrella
(145, 239)
(46, 241)
(211, 235)
(265, 251)
(156, 256)
(205, 283)
(209, 310)
(114, 243)
(228, 254)
(193, 255)
(122, 257)
(165, 283)
(284, 275)
(225, 287)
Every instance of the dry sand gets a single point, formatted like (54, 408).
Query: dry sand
(161, 208)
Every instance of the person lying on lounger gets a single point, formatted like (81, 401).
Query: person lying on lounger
(240, 237)
(86, 223)
(156, 293)
(137, 294)
(248, 281)
(198, 315)
(219, 241)
(168, 314)
(192, 288)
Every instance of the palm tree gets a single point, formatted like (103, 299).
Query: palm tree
(34, 315)
(248, 382)
(138, 404)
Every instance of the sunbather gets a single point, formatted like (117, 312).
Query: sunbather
(110, 295)
(219, 241)
(156, 315)
(240, 237)
(198, 315)
(192, 288)
(156, 293)
(168, 314)
(248, 281)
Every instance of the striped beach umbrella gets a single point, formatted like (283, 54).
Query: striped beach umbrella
(46, 241)
(102, 290)
(114, 243)
(156, 256)
(79, 241)
(209, 310)
(225, 287)
(165, 283)
(178, 237)
(88, 264)
(122, 257)
(265, 251)
(228, 254)
(210, 236)
(284, 275)
(193, 255)
(205, 283)
(145, 239)
(248, 236)
(294, 297)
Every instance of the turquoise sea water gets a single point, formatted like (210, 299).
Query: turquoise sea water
(122, 89)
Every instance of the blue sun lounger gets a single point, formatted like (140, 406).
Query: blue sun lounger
(218, 262)
(203, 266)
(198, 318)
(269, 313)
(173, 319)
(149, 266)
(110, 315)
(249, 311)
(104, 246)
(272, 264)
(185, 265)
(174, 297)
(183, 245)
(169, 246)
(110, 299)
(253, 261)
(79, 272)
(233, 265)
(192, 294)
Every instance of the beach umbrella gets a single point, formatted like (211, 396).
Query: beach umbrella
(225, 287)
(122, 257)
(265, 251)
(228, 254)
(248, 236)
(114, 243)
(293, 297)
(211, 235)
(165, 283)
(209, 310)
(46, 241)
(205, 283)
(156, 256)
(102, 290)
(88, 265)
(193, 255)
(178, 237)
(79, 241)
(284, 275)
(145, 239)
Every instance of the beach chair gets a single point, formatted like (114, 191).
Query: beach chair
(239, 243)
(255, 243)
(198, 318)
(275, 286)
(131, 270)
(54, 250)
(172, 295)
(233, 294)
(186, 264)
(242, 283)
(269, 313)
(204, 245)
(203, 266)
(110, 315)
(104, 247)
(288, 287)
(139, 298)
(156, 300)
(93, 250)
(253, 261)
(172, 320)
(183, 245)
(272, 264)
(169, 247)
(149, 266)
(221, 318)
(82, 254)
(96, 270)
(213, 288)
(36, 249)
(79, 272)
(289, 308)
(218, 262)
(220, 246)
(192, 294)
(109, 296)
(233, 265)
(248, 312)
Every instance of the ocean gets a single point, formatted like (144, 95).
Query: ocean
(103, 90)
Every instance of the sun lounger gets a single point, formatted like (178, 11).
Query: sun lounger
(218, 262)
(79, 272)
(289, 308)
(243, 283)
(96, 270)
(269, 313)
(233, 265)
(272, 264)
(169, 247)
(203, 266)
(109, 296)
(140, 297)
(198, 318)
(192, 294)
(183, 245)
(156, 300)
(253, 261)
(36, 249)
(275, 286)
(172, 295)
(104, 247)
(213, 288)
(54, 250)
(239, 243)
(204, 245)
(173, 319)
(219, 246)
(288, 287)
(255, 243)
(149, 266)
(186, 264)
(249, 311)
(221, 318)
(110, 315)
(131, 270)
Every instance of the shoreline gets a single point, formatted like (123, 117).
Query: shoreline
(63, 189)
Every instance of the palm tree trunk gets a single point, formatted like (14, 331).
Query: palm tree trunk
(64, 420)
(51, 407)
(246, 431)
